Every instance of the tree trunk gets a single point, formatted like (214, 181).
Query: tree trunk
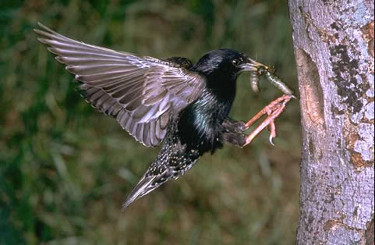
(334, 49)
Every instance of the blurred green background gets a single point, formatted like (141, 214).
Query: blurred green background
(65, 169)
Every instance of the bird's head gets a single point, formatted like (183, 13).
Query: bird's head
(224, 63)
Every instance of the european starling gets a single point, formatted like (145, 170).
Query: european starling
(170, 101)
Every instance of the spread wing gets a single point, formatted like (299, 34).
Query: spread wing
(142, 93)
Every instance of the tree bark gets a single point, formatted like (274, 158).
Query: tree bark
(334, 50)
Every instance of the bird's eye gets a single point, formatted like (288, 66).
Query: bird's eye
(236, 62)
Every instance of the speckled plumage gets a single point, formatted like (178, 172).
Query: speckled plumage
(203, 126)
(191, 134)
(170, 101)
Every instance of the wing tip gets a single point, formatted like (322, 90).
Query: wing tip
(40, 24)
(44, 28)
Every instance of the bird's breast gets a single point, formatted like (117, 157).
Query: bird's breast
(200, 123)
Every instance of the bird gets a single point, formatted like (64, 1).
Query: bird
(183, 107)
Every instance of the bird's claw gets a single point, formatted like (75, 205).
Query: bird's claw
(273, 110)
(272, 128)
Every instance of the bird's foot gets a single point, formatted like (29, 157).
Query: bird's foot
(273, 110)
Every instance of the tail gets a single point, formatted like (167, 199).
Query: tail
(147, 184)
(144, 186)
(160, 171)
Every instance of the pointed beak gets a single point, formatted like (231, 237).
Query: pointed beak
(249, 65)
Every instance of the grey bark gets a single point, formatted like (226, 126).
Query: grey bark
(334, 50)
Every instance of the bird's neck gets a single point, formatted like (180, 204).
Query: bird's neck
(222, 86)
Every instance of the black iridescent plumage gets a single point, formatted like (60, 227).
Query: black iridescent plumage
(184, 106)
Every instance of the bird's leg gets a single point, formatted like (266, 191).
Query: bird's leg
(273, 110)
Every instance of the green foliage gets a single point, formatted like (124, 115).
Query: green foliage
(65, 168)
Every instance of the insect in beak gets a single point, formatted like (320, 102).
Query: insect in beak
(269, 73)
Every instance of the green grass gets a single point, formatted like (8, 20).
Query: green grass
(65, 169)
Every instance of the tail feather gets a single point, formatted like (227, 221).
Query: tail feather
(144, 186)
(169, 164)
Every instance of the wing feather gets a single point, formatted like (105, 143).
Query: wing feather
(142, 93)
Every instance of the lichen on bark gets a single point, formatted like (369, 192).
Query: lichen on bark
(334, 53)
